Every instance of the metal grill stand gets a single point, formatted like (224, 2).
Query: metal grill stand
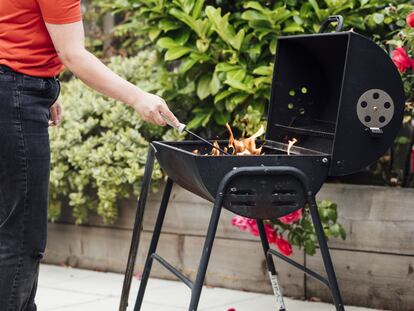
(196, 287)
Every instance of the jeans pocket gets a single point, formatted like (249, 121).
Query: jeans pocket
(34, 85)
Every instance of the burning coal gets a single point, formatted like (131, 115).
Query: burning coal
(244, 146)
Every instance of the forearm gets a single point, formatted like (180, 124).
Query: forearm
(96, 75)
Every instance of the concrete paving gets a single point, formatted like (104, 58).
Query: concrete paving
(68, 289)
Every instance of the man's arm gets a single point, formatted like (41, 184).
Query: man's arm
(68, 40)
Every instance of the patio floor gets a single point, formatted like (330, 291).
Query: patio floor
(69, 289)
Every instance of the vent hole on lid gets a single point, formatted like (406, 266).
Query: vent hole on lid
(375, 95)
(364, 104)
(292, 93)
(291, 106)
(387, 105)
(302, 111)
(367, 119)
(304, 90)
(382, 119)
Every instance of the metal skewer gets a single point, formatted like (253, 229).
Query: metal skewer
(182, 128)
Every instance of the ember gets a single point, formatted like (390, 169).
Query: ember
(246, 146)
(291, 143)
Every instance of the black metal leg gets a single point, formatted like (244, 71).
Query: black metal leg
(136, 233)
(333, 283)
(205, 257)
(271, 266)
(153, 246)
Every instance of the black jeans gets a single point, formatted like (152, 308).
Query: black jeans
(24, 182)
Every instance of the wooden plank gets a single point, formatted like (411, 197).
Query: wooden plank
(378, 219)
(105, 249)
(368, 279)
(241, 265)
(234, 264)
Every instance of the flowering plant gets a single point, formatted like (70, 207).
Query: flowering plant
(403, 56)
(297, 227)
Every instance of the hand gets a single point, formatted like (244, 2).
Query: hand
(151, 106)
(55, 114)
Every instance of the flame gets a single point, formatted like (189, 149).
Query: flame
(291, 143)
(215, 151)
(246, 146)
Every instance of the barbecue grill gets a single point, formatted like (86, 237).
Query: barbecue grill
(340, 96)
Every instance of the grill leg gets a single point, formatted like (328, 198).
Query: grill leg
(333, 283)
(205, 257)
(153, 245)
(271, 266)
(136, 233)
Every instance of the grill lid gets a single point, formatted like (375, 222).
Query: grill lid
(338, 93)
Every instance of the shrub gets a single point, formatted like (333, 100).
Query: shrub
(99, 150)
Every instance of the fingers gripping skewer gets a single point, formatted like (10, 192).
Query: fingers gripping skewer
(182, 128)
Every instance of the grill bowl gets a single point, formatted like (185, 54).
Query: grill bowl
(202, 175)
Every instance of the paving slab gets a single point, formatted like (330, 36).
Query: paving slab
(69, 289)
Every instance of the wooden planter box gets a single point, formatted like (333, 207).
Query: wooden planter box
(375, 265)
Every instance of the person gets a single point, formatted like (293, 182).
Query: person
(38, 38)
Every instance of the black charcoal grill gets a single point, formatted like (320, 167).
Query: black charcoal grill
(340, 96)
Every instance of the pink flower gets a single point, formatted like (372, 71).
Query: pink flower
(292, 217)
(271, 234)
(240, 222)
(231, 309)
(253, 227)
(410, 20)
(284, 246)
(401, 59)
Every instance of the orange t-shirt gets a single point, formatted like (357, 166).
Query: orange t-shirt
(25, 44)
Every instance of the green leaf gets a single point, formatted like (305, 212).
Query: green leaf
(292, 28)
(183, 17)
(203, 87)
(342, 233)
(310, 247)
(224, 67)
(215, 84)
(263, 70)
(198, 7)
(403, 140)
(154, 33)
(224, 29)
(255, 5)
(222, 95)
(316, 8)
(335, 230)
(222, 117)
(238, 75)
(235, 100)
(167, 43)
(168, 24)
(187, 64)
(200, 57)
(177, 52)
(378, 18)
(272, 46)
(251, 15)
(182, 37)
(238, 85)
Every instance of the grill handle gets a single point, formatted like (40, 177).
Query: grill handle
(331, 19)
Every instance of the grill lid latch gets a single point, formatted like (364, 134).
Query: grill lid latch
(375, 131)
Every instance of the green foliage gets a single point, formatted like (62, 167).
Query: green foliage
(302, 232)
(98, 151)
